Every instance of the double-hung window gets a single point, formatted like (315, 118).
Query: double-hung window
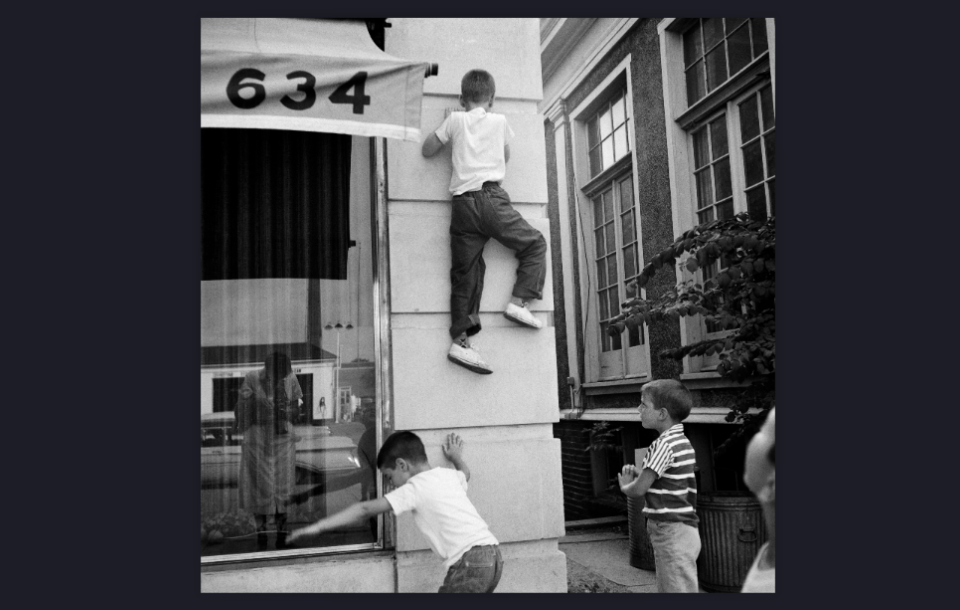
(610, 220)
(718, 85)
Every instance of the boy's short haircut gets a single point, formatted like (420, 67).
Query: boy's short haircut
(406, 445)
(477, 86)
(671, 395)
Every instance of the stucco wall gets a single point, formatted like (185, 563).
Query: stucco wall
(505, 418)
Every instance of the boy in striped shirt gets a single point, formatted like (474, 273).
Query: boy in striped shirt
(666, 483)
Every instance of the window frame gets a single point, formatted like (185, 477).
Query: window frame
(685, 120)
(635, 366)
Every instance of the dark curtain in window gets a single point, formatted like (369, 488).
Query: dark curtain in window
(275, 204)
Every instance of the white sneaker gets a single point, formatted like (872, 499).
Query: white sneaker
(522, 315)
(468, 357)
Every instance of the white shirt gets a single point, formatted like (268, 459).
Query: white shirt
(442, 511)
(478, 140)
(760, 580)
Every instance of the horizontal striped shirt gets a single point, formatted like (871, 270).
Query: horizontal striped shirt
(673, 496)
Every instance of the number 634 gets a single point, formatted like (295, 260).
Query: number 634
(341, 95)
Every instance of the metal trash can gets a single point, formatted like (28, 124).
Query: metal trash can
(732, 531)
(641, 552)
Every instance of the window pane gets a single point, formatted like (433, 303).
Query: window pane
(620, 142)
(752, 163)
(605, 340)
(704, 189)
(739, 47)
(759, 25)
(626, 194)
(692, 46)
(602, 274)
(607, 152)
(696, 88)
(612, 275)
(595, 165)
(725, 210)
(618, 116)
(604, 308)
(629, 230)
(766, 102)
(601, 242)
(773, 198)
(733, 22)
(608, 208)
(614, 294)
(718, 135)
(705, 216)
(605, 125)
(712, 32)
(630, 261)
(634, 335)
(757, 202)
(701, 149)
(593, 132)
(749, 121)
(716, 67)
(721, 175)
(612, 243)
(597, 211)
(616, 342)
(771, 154)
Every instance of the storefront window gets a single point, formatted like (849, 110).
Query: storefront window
(288, 401)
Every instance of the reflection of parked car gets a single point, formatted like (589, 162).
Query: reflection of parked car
(321, 458)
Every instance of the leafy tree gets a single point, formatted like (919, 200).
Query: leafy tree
(739, 299)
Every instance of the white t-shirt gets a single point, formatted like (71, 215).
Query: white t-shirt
(478, 140)
(760, 580)
(442, 511)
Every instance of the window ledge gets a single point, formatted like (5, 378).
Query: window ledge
(698, 415)
(709, 380)
(619, 386)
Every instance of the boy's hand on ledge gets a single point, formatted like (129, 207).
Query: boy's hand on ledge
(628, 475)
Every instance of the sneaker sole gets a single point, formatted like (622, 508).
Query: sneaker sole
(519, 321)
(468, 365)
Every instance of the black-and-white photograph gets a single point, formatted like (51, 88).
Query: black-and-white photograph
(487, 305)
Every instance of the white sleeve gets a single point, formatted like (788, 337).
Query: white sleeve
(402, 499)
(508, 132)
(445, 131)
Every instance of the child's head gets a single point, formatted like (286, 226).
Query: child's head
(478, 87)
(401, 457)
(759, 469)
(663, 403)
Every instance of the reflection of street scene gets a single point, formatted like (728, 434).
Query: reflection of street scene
(332, 464)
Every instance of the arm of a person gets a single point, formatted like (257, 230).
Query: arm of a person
(431, 145)
(506, 153)
(453, 449)
(635, 483)
(352, 514)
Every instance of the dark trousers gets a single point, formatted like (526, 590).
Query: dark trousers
(478, 571)
(478, 216)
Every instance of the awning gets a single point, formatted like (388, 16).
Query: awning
(306, 75)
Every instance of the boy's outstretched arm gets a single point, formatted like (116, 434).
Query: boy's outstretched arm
(453, 449)
(635, 483)
(352, 514)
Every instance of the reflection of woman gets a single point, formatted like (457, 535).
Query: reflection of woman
(269, 400)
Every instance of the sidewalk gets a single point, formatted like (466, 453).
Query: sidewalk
(598, 559)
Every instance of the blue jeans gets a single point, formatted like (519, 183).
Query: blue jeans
(676, 547)
(477, 216)
(478, 571)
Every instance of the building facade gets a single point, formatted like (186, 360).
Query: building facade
(652, 126)
(368, 339)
